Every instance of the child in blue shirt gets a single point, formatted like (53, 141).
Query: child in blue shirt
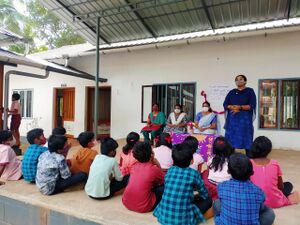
(36, 140)
(240, 201)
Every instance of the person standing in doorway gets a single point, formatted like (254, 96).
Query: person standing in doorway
(240, 108)
(15, 112)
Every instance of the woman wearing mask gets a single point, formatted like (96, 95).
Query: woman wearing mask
(206, 121)
(177, 121)
(155, 123)
(240, 108)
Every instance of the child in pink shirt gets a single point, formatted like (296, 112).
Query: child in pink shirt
(268, 176)
(127, 161)
(197, 158)
(10, 165)
(163, 151)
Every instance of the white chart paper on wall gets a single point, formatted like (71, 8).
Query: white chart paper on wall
(216, 95)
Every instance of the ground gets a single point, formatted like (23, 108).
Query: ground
(112, 212)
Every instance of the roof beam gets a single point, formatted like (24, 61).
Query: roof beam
(207, 14)
(89, 26)
(127, 8)
(138, 15)
(289, 4)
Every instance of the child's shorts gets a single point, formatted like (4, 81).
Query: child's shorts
(15, 122)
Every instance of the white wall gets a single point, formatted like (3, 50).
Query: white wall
(207, 63)
(43, 91)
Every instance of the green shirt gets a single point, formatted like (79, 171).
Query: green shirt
(98, 183)
(159, 119)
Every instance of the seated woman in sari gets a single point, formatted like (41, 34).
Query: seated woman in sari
(177, 121)
(206, 121)
(155, 124)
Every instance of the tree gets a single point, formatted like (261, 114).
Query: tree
(38, 25)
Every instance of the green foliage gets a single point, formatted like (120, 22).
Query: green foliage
(39, 26)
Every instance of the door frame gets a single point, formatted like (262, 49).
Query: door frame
(55, 91)
(89, 114)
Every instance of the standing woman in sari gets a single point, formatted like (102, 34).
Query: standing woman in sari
(240, 108)
(206, 120)
(177, 121)
(155, 123)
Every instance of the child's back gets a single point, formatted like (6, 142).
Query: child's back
(241, 202)
(82, 160)
(176, 205)
(101, 170)
(179, 205)
(266, 177)
(12, 165)
(163, 154)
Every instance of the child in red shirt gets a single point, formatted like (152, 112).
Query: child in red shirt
(145, 189)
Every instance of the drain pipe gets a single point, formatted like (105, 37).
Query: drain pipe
(6, 88)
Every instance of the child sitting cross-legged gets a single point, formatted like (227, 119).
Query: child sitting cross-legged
(36, 140)
(82, 160)
(105, 178)
(268, 176)
(144, 190)
(53, 174)
(127, 161)
(10, 165)
(179, 205)
(163, 151)
(240, 201)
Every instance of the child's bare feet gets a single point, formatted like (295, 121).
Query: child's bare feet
(294, 197)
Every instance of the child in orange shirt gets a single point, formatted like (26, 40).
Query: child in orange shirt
(83, 159)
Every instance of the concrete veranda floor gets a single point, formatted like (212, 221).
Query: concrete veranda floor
(112, 212)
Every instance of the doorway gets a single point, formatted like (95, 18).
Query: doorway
(104, 114)
(64, 109)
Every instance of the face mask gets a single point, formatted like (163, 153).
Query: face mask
(205, 109)
(177, 110)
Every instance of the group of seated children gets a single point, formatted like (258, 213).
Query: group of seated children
(167, 179)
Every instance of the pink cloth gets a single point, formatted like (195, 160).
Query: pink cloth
(15, 105)
(10, 162)
(220, 175)
(266, 177)
(163, 154)
(128, 161)
(197, 161)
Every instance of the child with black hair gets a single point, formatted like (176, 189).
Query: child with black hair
(53, 175)
(15, 122)
(10, 165)
(127, 161)
(144, 190)
(163, 151)
(36, 140)
(60, 131)
(84, 157)
(105, 178)
(179, 205)
(197, 158)
(268, 176)
(218, 163)
(240, 201)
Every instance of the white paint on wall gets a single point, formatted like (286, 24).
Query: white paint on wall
(207, 63)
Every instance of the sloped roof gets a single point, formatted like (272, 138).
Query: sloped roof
(129, 20)
(10, 58)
